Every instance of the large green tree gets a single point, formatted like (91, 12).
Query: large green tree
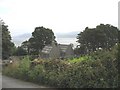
(40, 37)
(0, 39)
(103, 36)
(7, 45)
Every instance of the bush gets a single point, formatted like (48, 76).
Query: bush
(24, 68)
(97, 71)
(19, 69)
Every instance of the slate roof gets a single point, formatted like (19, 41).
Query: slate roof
(47, 49)
(63, 47)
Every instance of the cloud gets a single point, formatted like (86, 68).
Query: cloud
(22, 16)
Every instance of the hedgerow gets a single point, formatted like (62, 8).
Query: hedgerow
(98, 72)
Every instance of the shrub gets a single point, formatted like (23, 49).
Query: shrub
(24, 68)
(18, 69)
(99, 70)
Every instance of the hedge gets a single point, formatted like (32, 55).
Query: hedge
(101, 72)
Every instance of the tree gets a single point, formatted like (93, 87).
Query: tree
(0, 39)
(7, 45)
(20, 51)
(26, 46)
(40, 37)
(103, 36)
(118, 58)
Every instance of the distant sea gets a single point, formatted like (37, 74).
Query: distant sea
(59, 41)
(61, 38)
(67, 41)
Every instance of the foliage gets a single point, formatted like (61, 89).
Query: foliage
(103, 36)
(20, 51)
(11, 70)
(7, 45)
(40, 37)
(24, 67)
(26, 46)
(82, 58)
(118, 63)
(98, 70)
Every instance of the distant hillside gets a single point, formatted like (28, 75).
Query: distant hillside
(20, 38)
(60, 37)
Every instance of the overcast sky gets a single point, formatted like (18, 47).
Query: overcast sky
(62, 16)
